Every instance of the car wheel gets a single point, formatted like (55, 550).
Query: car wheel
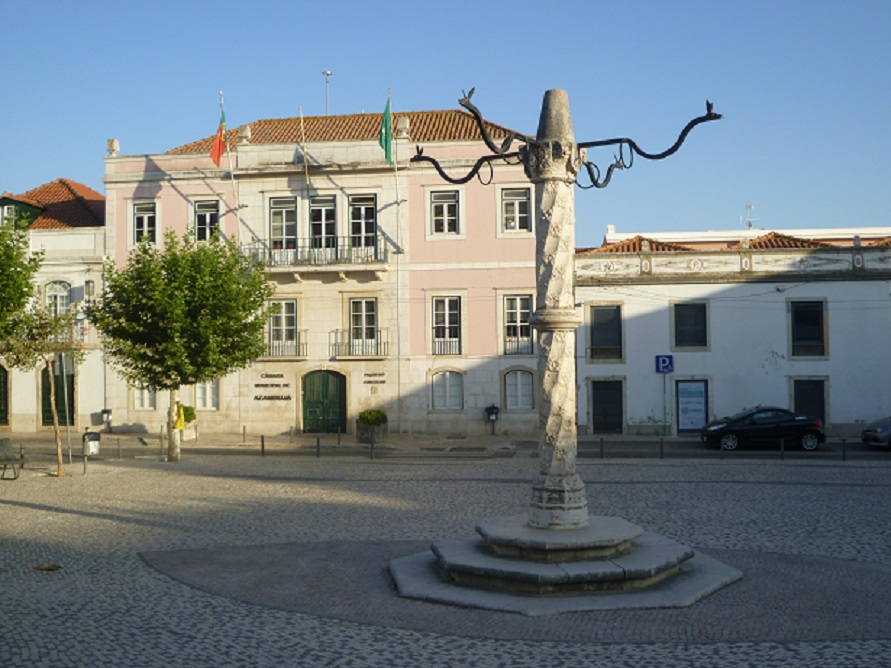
(729, 442)
(809, 441)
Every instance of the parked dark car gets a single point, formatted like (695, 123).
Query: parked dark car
(764, 424)
(877, 433)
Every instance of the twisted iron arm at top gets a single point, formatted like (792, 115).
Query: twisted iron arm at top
(594, 174)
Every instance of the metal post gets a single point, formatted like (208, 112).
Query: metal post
(262, 446)
(119, 449)
(372, 443)
(661, 449)
(782, 448)
(844, 449)
(318, 446)
(244, 435)
(85, 464)
(601, 447)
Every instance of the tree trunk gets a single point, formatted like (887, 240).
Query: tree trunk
(172, 434)
(50, 367)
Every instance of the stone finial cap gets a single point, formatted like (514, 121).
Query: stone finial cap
(555, 122)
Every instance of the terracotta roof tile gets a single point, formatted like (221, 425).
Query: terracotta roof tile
(424, 126)
(881, 242)
(634, 245)
(64, 203)
(777, 240)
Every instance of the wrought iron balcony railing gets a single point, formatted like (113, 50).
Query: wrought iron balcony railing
(517, 345)
(355, 250)
(291, 344)
(346, 343)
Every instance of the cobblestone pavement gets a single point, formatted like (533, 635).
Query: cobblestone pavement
(295, 548)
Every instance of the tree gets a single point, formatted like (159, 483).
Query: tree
(37, 336)
(17, 270)
(188, 313)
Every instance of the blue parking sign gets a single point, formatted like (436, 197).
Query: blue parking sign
(664, 363)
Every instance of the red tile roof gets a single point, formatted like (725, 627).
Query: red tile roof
(64, 203)
(424, 126)
(634, 245)
(777, 240)
(881, 242)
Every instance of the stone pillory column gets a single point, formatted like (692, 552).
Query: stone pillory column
(552, 163)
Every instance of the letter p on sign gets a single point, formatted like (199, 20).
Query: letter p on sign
(664, 363)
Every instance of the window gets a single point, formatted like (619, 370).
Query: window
(690, 325)
(283, 223)
(446, 325)
(144, 398)
(363, 327)
(207, 220)
(144, 222)
(58, 297)
(518, 390)
(606, 332)
(808, 335)
(448, 391)
(444, 212)
(363, 221)
(207, 395)
(283, 329)
(607, 407)
(8, 215)
(515, 210)
(322, 222)
(517, 330)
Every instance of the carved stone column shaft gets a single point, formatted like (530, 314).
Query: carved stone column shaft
(552, 162)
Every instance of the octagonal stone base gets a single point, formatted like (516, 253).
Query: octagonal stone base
(610, 564)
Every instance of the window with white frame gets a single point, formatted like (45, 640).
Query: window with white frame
(444, 212)
(207, 219)
(58, 297)
(691, 325)
(207, 395)
(515, 214)
(446, 325)
(518, 390)
(145, 222)
(363, 327)
(448, 391)
(283, 329)
(323, 221)
(363, 221)
(517, 329)
(283, 223)
(144, 398)
(808, 328)
(606, 332)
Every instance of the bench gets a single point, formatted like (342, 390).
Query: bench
(9, 461)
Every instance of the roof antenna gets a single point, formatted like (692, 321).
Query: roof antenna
(327, 75)
(748, 220)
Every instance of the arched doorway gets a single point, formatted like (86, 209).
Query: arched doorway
(324, 402)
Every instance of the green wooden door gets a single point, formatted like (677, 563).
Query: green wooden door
(324, 402)
(66, 415)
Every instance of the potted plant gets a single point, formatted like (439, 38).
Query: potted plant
(371, 426)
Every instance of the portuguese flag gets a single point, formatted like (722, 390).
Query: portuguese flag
(219, 142)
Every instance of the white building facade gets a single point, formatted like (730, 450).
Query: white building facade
(674, 336)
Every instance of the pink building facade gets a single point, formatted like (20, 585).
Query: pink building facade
(396, 290)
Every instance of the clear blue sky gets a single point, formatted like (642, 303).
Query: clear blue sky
(803, 86)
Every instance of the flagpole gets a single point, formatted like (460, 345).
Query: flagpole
(231, 169)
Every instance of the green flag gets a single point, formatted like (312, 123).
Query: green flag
(387, 133)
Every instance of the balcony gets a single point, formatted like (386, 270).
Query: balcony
(343, 345)
(446, 346)
(517, 345)
(292, 344)
(357, 252)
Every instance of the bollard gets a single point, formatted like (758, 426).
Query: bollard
(290, 435)
(318, 446)
(85, 464)
(244, 435)
(661, 450)
(262, 446)
(844, 449)
(601, 447)
(338, 434)
(161, 440)
(372, 444)
(782, 449)
(119, 449)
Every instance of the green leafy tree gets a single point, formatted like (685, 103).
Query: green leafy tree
(183, 314)
(18, 266)
(36, 337)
